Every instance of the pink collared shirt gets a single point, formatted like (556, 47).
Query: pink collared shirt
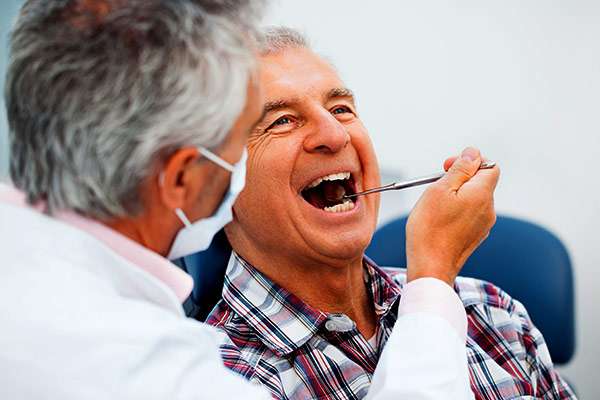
(436, 297)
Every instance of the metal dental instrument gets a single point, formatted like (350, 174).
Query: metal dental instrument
(413, 182)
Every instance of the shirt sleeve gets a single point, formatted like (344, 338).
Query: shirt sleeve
(425, 357)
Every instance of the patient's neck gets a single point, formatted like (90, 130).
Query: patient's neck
(336, 287)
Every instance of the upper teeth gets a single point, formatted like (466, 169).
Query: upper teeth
(333, 177)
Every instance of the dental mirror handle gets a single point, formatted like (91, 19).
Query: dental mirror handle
(413, 182)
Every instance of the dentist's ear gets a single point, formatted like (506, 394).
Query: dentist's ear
(179, 178)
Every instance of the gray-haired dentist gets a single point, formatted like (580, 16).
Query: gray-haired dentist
(128, 121)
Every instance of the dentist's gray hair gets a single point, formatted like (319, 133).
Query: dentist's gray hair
(97, 92)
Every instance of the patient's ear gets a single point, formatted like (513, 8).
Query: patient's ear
(179, 178)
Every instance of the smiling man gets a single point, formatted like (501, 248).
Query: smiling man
(307, 314)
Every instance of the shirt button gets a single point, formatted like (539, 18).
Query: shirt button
(339, 323)
(331, 326)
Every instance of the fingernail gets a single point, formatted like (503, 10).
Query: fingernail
(469, 154)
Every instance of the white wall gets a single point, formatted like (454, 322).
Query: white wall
(519, 79)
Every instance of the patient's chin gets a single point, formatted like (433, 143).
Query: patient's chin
(342, 247)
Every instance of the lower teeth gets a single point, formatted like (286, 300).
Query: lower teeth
(347, 205)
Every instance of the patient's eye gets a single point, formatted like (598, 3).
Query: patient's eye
(343, 113)
(283, 124)
(341, 110)
(282, 121)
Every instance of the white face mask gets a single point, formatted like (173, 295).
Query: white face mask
(197, 236)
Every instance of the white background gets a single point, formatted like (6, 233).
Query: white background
(519, 79)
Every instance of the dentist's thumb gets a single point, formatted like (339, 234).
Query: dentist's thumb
(463, 168)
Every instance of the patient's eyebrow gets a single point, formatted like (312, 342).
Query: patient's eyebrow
(275, 105)
(340, 92)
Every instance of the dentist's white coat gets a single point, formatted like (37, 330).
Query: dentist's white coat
(78, 321)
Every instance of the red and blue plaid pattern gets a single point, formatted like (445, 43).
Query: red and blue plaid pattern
(282, 343)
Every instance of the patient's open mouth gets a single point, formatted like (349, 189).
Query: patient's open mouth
(327, 193)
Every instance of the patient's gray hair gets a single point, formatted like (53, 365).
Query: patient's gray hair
(279, 38)
(97, 92)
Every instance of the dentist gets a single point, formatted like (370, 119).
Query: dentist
(128, 122)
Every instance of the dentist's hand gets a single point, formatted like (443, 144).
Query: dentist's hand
(451, 219)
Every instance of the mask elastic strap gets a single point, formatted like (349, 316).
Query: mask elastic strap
(179, 212)
(216, 159)
(208, 154)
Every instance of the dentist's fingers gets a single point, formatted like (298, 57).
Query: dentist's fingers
(488, 177)
(463, 169)
(448, 163)
(484, 179)
(450, 160)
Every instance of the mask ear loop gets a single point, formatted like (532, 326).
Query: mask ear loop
(208, 154)
(212, 157)
(216, 159)
(178, 211)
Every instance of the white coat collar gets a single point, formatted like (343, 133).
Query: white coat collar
(156, 265)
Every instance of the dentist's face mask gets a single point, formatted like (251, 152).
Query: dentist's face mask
(197, 236)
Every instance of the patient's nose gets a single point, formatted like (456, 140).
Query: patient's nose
(328, 135)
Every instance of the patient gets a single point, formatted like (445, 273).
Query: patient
(299, 320)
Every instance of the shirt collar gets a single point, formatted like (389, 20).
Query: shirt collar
(282, 320)
(154, 264)
(384, 290)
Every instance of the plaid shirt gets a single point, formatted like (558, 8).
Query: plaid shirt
(277, 340)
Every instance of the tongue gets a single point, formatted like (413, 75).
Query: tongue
(327, 194)
(333, 192)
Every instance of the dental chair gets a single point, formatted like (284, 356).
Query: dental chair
(207, 268)
(527, 261)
